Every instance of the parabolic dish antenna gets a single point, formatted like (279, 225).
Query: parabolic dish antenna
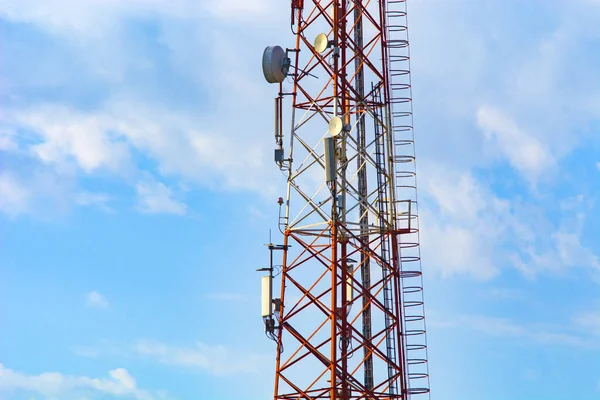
(274, 64)
(335, 125)
(321, 42)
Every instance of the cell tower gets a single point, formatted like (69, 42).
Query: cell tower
(350, 321)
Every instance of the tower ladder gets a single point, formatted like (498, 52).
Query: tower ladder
(401, 121)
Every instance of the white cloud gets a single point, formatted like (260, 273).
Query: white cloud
(85, 351)
(104, 348)
(502, 293)
(239, 9)
(493, 325)
(458, 250)
(225, 296)
(544, 78)
(559, 250)
(122, 376)
(565, 339)
(506, 328)
(456, 193)
(590, 322)
(468, 230)
(7, 143)
(93, 199)
(231, 154)
(571, 252)
(56, 385)
(217, 360)
(14, 196)
(35, 190)
(461, 222)
(93, 17)
(155, 197)
(468, 224)
(103, 139)
(96, 300)
(524, 152)
(68, 136)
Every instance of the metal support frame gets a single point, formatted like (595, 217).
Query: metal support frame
(361, 347)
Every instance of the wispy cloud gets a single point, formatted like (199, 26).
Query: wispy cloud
(503, 293)
(506, 328)
(226, 296)
(467, 229)
(96, 300)
(560, 250)
(99, 200)
(7, 143)
(94, 17)
(590, 322)
(56, 385)
(215, 359)
(14, 197)
(68, 137)
(244, 9)
(458, 220)
(103, 348)
(156, 197)
(525, 153)
(102, 140)
(85, 351)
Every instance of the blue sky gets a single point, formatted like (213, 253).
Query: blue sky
(137, 191)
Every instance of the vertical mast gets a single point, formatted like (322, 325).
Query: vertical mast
(345, 319)
(365, 272)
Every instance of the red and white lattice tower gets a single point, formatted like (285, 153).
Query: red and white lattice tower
(350, 321)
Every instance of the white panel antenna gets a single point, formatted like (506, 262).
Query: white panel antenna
(266, 298)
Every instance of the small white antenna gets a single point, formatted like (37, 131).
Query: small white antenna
(321, 43)
(335, 125)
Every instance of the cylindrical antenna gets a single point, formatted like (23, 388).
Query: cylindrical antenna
(277, 132)
(267, 301)
(349, 287)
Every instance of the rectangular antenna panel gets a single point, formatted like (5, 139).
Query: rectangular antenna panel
(330, 169)
(349, 287)
(266, 302)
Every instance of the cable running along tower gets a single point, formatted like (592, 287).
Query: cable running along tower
(349, 321)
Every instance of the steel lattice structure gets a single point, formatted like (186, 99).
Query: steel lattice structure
(350, 322)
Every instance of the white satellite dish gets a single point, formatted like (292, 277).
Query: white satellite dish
(335, 125)
(275, 64)
(321, 42)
